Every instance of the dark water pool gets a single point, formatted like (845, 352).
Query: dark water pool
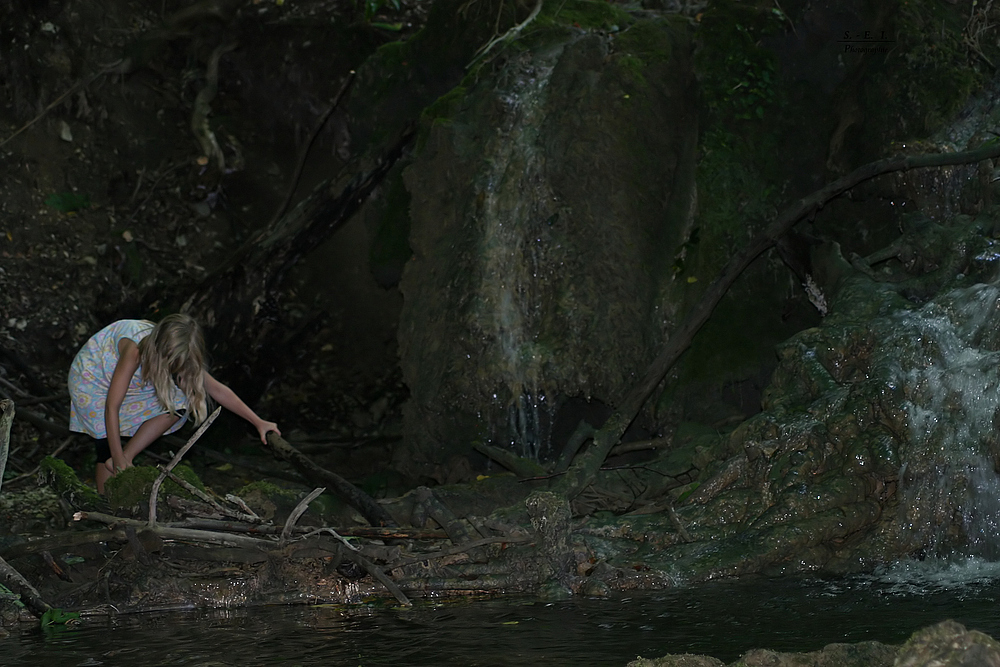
(720, 619)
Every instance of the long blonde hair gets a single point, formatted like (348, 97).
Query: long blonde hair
(175, 351)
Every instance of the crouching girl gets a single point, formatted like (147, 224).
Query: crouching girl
(139, 380)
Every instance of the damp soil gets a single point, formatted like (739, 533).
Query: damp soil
(109, 208)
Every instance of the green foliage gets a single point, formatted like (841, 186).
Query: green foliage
(68, 202)
(736, 174)
(372, 7)
(928, 77)
(59, 617)
(591, 14)
(738, 73)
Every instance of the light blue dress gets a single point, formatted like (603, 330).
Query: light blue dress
(90, 377)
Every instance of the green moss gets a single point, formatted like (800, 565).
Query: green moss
(738, 72)
(926, 78)
(592, 14)
(133, 485)
(64, 481)
(265, 488)
(649, 40)
(444, 107)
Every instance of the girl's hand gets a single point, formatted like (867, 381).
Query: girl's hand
(263, 428)
(115, 469)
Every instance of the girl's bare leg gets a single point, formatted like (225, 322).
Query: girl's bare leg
(102, 474)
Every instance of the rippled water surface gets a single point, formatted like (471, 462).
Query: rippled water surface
(722, 619)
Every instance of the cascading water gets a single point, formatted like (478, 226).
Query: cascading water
(515, 206)
(949, 373)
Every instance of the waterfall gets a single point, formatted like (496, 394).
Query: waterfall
(949, 374)
(515, 204)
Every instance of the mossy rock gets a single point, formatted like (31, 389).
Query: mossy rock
(63, 480)
(132, 486)
(268, 500)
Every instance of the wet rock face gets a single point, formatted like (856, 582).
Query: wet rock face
(878, 437)
(544, 214)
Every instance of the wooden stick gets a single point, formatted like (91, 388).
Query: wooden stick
(381, 576)
(63, 541)
(331, 531)
(13, 580)
(355, 497)
(299, 510)
(6, 419)
(181, 534)
(34, 471)
(177, 459)
(195, 491)
(581, 473)
(370, 532)
(522, 467)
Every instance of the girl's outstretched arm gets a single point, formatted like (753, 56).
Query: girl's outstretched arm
(228, 399)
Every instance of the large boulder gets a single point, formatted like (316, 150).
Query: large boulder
(549, 197)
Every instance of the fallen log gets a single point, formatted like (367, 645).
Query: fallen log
(583, 470)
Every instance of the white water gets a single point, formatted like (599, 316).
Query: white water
(949, 374)
(515, 196)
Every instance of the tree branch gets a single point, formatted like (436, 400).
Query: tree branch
(581, 473)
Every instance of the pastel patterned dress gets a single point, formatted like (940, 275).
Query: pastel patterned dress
(90, 377)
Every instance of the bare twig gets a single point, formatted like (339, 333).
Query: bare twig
(34, 471)
(340, 537)
(239, 502)
(294, 184)
(194, 490)
(152, 189)
(299, 510)
(79, 85)
(173, 462)
(507, 36)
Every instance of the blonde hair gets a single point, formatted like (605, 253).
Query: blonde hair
(174, 351)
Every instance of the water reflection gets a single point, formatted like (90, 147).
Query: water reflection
(723, 619)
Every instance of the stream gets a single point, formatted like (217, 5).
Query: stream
(723, 619)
